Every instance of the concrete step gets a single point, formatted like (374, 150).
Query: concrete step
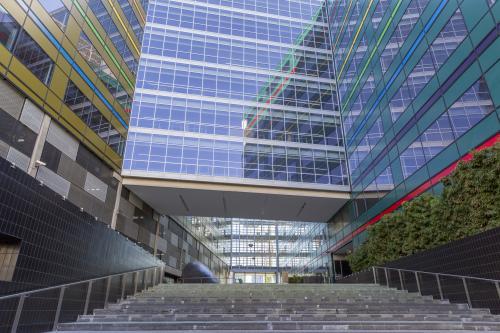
(282, 317)
(278, 325)
(293, 307)
(295, 302)
(297, 331)
(379, 311)
(278, 308)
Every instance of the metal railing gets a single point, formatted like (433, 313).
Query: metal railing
(43, 309)
(474, 291)
(207, 280)
(216, 280)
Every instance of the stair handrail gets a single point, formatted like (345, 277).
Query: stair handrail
(155, 278)
(72, 283)
(437, 276)
(441, 274)
(206, 279)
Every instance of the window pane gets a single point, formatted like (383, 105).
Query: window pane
(99, 66)
(8, 29)
(33, 57)
(92, 117)
(57, 11)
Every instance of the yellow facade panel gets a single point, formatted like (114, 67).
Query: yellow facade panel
(113, 156)
(69, 127)
(15, 11)
(51, 100)
(139, 12)
(21, 86)
(47, 20)
(54, 103)
(82, 85)
(5, 56)
(119, 127)
(64, 66)
(59, 83)
(30, 83)
(76, 15)
(73, 121)
(49, 110)
(96, 141)
(125, 115)
(104, 110)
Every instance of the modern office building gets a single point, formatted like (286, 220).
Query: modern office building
(264, 109)
(235, 112)
(243, 120)
(68, 71)
(419, 91)
(259, 251)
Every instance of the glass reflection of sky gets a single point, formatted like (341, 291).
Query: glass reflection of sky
(238, 89)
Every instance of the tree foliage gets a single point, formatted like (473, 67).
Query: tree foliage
(469, 204)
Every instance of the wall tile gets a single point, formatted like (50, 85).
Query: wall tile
(19, 159)
(31, 116)
(62, 140)
(53, 181)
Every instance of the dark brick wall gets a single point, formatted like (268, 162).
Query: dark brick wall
(477, 256)
(59, 243)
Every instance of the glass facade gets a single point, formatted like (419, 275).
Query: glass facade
(257, 251)
(58, 49)
(417, 92)
(379, 95)
(235, 90)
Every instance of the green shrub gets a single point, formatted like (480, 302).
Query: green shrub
(296, 279)
(469, 205)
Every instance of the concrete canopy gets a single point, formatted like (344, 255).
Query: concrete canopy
(200, 198)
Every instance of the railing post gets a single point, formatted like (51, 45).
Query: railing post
(58, 311)
(497, 285)
(87, 299)
(374, 274)
(136, 277)
(386, 276)
(17, 316)
(108, 285)
(401, 279)
(124, 280)
(467, 292)
(439, 286)
(418, 283)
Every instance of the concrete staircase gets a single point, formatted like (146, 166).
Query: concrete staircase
(283, 308)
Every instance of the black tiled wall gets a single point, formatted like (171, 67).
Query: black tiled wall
(59, 243)
(477, 256)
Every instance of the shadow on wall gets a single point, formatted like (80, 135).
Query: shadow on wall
(49, 241)
(196, 272)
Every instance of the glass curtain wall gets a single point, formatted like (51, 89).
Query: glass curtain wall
(237, 90)
(258, 251)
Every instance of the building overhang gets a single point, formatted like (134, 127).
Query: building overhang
(187, 197)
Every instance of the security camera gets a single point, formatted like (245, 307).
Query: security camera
(40, 163)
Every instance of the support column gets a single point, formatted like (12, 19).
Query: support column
(116, 207)
(277, 254)
(155, 243)
(39, 143)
